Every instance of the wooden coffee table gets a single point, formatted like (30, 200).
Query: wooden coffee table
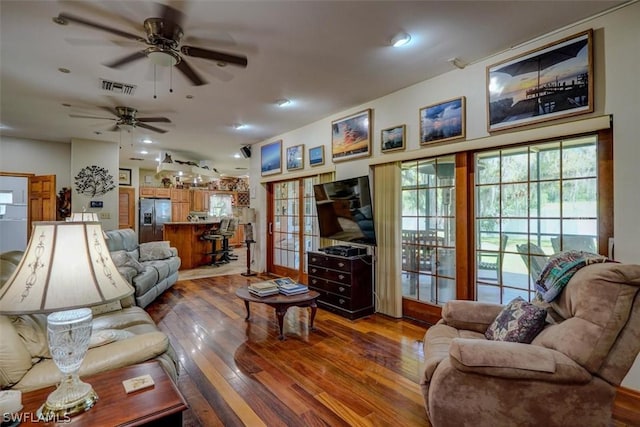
(159, 405)
(281, 303)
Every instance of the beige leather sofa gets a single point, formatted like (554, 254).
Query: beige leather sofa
(123, 334)
(567, 376)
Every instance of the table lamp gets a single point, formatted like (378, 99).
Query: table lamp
(65, 269)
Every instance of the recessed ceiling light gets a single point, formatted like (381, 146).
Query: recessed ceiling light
(64, 70)
(238, 126)
(237, 156)
(144, 152)
(283, 102)
(147, 141)
(400, 39)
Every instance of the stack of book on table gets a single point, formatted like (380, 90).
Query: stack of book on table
(264, 289)
(288, 286)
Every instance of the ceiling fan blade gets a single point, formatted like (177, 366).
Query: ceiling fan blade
(149, 127)
(191, 74)
(78, 116)
(153, 119)
(125, 60)
(65, 17)
(197, 52)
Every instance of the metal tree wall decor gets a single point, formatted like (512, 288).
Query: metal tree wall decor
(94, 181)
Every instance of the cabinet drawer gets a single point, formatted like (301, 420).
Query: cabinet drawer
(336, 288)
(333, 299)
(341, 264)
(336, 276)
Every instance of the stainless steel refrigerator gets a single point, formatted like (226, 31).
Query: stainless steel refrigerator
(153, 214)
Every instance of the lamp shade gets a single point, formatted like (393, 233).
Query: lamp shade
(83, 217)
(67, 265)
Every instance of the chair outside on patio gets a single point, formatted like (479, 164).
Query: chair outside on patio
(534, 258)
(495, 260)
(574, 242)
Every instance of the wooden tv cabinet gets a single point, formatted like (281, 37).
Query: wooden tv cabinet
(345, 284)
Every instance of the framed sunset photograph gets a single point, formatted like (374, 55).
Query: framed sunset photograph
(351, 136)
(544, 84)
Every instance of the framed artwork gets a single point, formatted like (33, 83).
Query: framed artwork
(295, 157)
(544, 84)
(124, 176)
(351, 136)
(442, 122)
(316, 156)
(271, 158)
(393, 139)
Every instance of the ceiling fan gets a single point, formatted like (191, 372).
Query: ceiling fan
(126, 118)
(162, 37)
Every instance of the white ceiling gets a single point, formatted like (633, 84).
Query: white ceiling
(326, 56)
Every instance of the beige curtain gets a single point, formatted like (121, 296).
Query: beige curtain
(387, 211)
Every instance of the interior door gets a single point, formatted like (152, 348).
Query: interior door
(42, 199)
(126, 208)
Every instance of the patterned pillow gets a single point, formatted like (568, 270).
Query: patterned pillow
(519, 321)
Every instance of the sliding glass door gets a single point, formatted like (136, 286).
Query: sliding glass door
(293, 227)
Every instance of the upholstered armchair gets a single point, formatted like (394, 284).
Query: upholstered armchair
(566, 376)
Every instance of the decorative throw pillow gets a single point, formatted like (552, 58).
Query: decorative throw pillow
(151, 251)
(123, 259)
(519, 321)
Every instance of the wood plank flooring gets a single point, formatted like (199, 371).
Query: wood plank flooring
(234, 372)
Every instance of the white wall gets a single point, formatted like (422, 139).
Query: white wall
(38, 157)
(617, 92)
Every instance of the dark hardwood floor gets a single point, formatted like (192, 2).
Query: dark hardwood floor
(234, 372)
(345, 373)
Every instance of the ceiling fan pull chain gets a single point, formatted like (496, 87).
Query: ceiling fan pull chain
(170, 79)
(154, 82)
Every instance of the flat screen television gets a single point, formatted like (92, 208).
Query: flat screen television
(345, 211)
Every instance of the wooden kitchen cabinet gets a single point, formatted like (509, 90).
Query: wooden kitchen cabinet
(200, 200)
(160, 193)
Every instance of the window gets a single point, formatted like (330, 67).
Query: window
(428, 230)
(530, 203)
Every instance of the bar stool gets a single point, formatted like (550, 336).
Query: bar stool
(215, 236)
(227, 233)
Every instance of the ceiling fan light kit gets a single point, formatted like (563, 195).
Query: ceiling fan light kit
(400, 39)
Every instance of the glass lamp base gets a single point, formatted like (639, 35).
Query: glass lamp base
(72, 397)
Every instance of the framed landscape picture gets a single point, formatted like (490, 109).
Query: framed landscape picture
(544, 84)
(442, 122)
(271, 158)
(351, 136)
(295, 157)
(316, 156)
(393, 139)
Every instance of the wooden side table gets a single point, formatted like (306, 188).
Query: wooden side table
(159, 405)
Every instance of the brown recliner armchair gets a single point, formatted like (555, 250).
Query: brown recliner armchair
(565, 377)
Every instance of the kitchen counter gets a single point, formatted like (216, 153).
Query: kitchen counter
(185, 237)
(207, 223)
